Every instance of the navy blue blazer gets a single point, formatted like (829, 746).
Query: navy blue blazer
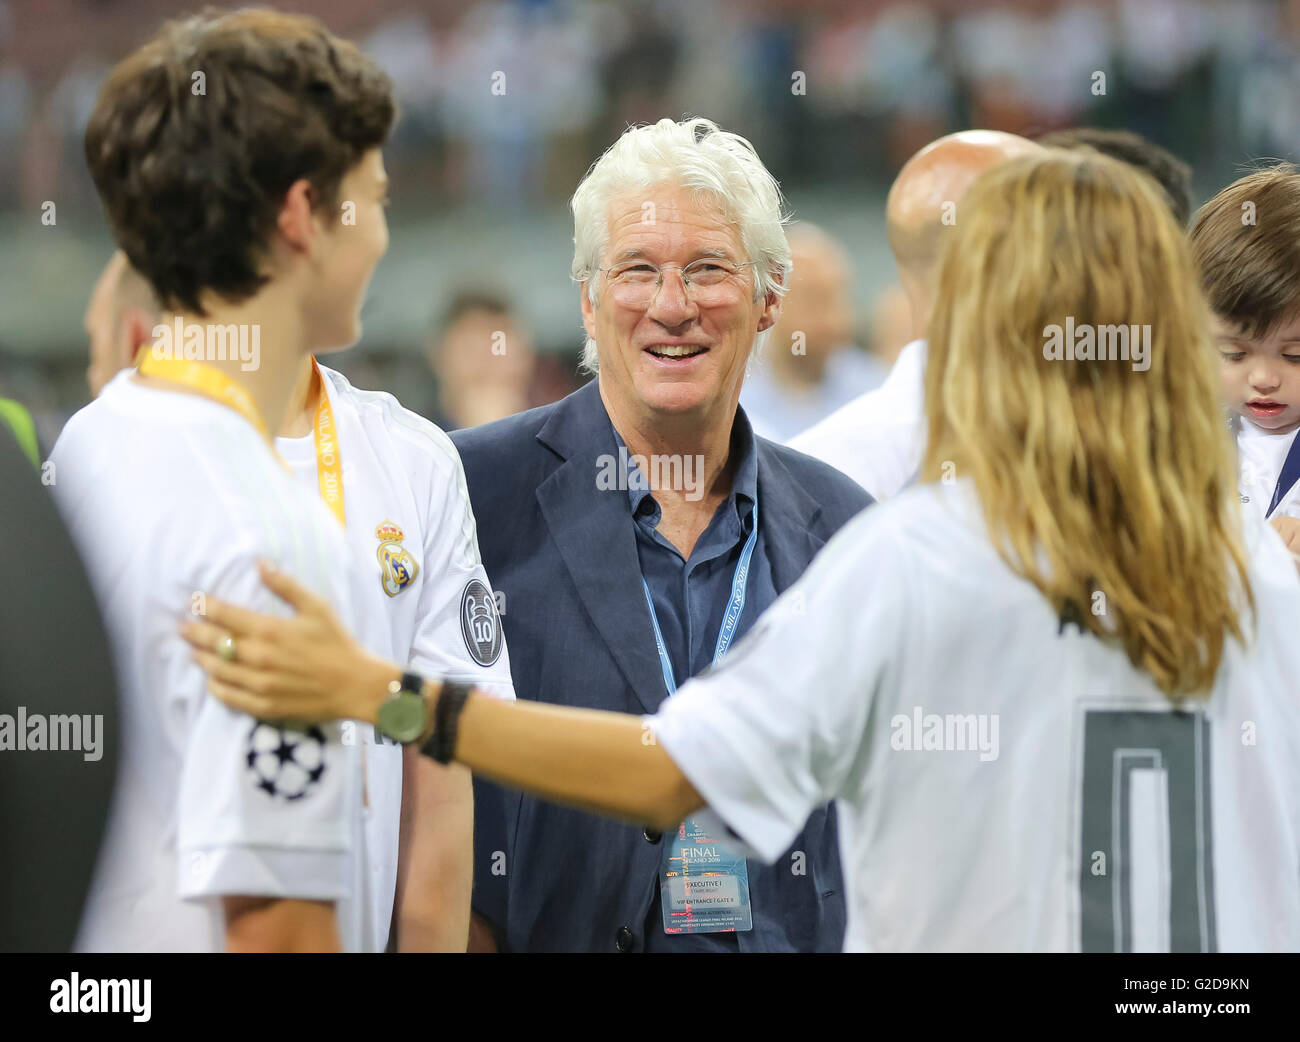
(563, 553)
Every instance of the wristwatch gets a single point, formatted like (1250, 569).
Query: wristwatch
(404, 715)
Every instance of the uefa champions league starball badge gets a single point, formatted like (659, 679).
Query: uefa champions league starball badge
(287, 763)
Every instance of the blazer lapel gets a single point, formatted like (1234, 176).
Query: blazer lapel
(593, 530)
(787, 516)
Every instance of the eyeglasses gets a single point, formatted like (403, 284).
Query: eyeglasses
(709, 281)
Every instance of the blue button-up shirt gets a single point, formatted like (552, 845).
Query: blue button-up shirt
(690, 598)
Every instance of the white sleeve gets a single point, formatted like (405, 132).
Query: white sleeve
(780, 727)
(458, 633)
(263, 811)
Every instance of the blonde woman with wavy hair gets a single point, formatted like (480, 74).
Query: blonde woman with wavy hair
(1107, 481)
(1005, 780)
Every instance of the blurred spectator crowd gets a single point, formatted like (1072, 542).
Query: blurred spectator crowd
(505, 103)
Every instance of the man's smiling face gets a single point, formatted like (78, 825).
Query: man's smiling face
(672, 355)
(1261, 374)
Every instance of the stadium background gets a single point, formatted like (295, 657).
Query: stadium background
(481, 181)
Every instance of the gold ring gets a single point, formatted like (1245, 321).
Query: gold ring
(226, 648)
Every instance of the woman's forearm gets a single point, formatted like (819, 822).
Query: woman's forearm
(599, 761)
(310, 668)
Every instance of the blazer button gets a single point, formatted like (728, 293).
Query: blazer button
(623, 939)
(652, 835)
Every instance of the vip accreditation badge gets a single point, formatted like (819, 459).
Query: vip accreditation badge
(703, 886)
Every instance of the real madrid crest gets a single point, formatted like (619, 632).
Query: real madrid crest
(397, 568)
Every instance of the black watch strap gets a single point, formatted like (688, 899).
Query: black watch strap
(441, 746)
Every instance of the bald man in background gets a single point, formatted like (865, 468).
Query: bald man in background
(878, 438)
(810, 366)
(119, 319)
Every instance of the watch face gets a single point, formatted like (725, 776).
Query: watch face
(403, 717)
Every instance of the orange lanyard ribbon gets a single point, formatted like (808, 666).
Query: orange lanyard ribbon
(212, 383)
(206, 380)
(329, 457)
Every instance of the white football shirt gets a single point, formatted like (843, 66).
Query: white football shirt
(171, 497)
(1260, 457)
(1003, 785)
(419, 588)
(877, 439)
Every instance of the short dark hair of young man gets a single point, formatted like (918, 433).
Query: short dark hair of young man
(1171, 173)
(197, 136)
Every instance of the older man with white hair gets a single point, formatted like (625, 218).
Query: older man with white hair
(635, 530)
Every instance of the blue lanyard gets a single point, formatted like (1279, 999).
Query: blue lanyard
(1289, 476)
(735, 606)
